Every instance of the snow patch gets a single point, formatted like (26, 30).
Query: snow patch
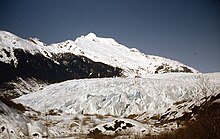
(122, 127)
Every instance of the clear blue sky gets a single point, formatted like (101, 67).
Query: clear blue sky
(184, 30)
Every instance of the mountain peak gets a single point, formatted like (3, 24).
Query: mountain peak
(91, 36)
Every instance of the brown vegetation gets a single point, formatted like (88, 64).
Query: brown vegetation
(206, 125)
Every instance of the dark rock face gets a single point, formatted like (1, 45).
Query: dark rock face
(70, 67)
(83, 67)
(7, 72)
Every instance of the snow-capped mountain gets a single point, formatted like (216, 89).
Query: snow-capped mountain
(89, 49)
(31, 58)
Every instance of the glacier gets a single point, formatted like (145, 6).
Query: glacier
(153, 94)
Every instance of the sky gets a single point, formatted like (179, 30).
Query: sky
(187, 31)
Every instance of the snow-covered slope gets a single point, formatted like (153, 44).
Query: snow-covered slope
(104, 50)
(9, 42)
(14, 124)
(107, 50)
(122, 96)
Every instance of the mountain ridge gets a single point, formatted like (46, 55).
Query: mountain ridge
(98, 49)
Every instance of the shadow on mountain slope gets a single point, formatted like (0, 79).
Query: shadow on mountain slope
(69, 67)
